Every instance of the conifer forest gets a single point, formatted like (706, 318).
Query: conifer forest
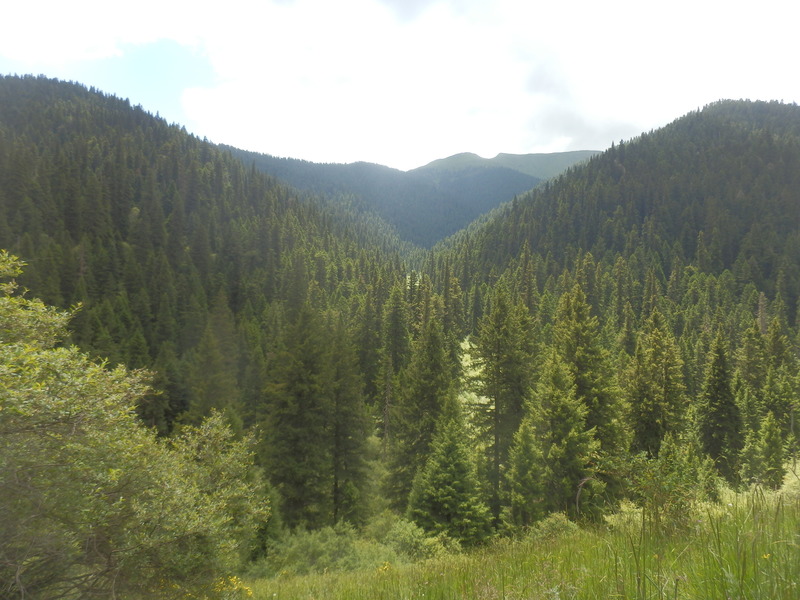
(208, 374)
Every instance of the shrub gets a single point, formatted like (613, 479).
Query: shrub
(553, 526)
(337, 548)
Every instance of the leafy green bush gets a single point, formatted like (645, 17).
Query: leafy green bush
(412, 543)
(553, 526)
(386, 539)
(407, 539)
(337, 548)
(671, 486)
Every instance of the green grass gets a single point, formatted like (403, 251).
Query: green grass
(745, 547)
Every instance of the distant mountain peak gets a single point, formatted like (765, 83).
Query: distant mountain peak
(542, 165)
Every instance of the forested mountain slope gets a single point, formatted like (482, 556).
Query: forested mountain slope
(717, 188)
(424, 205)
(177, 253)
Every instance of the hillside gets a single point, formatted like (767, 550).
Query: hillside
(154, 232)
(717, 189)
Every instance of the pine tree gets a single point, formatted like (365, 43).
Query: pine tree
(751, 359)
(718, 418)
(779, 396)
(426, 388)
(763, 455)
(654, 387)
(772, 453)
(212, 384)
(368, 342)
(445, 496)
(751, 459)
(626, 336)
(577, 341)
(297, 445)
(777, 345)
(503, 359)
(671, 485)
(453, 321)
(526, 503)
(350, 427)
(171, 400)
(213, 372)
(387, 386)
(394, 355)
(568, 450)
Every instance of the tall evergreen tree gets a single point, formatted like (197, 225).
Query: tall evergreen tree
(350, 425)
(566, 475)
(427, 387)
(162, 408)
(394, 355)
(368, 342)
(771, 448)
(780, 397)
(751, 358)
(296, 445)
(778, 347)
(718, 419)
(654, 387)
(503, 360)
(763, 455)
(577, 341)
(526, 502)
(212, 383)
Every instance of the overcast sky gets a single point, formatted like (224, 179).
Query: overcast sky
(403, 82)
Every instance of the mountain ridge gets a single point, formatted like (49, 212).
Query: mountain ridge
(542, 165)
(424, 206)
(427, 204)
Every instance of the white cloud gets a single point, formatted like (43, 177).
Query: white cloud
(404, 82)
(347, 81)
(53, 33)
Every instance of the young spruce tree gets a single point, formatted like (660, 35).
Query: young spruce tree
(719, 422)
(578, 343)
(445, 496)
(654, 387)
(350, 426)
(297, 441)
(554, 456)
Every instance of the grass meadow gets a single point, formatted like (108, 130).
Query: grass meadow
(747, 546)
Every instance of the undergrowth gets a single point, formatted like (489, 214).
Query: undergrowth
(746, 545)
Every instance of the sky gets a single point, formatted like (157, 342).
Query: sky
(404, 82)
